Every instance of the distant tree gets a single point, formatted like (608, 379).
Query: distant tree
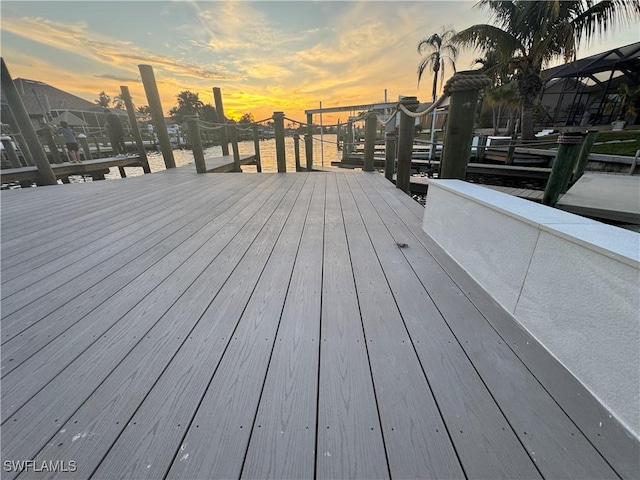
(503, 99)
(528, 34)
(208, 113)
(118, 102)
(439, 49)
(246, 118)
(188, 104)
(103, 100)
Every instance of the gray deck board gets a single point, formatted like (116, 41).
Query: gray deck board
(416, 438)
(349, 443)
(53, 313)
(558, 447)
(286, 449)
(185, 326)
(219, 433)
(483, 438)
(270, 326)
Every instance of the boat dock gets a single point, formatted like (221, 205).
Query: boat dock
(292, 325)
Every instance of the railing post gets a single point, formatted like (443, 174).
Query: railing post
(51, 142)
(482, 147)
(569, 144)
(157, 114)
(389, 155)
(84, 144)
(233, 134)
(348, 146)
(278, 126)
(46, 175)
(10, 151)
(196, 143)
(256, 148)
(97, 142)
(224, 139)
(583, 156)
(296, 149)
(370, 131)
(308, 142)
(405, 143)
(338, 135)
(464, 88)
(142, 153)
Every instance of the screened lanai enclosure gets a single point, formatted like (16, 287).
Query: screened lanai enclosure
(586, 92)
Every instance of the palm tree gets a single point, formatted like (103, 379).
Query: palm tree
(438, 48)
(529, 34)
(103, 100)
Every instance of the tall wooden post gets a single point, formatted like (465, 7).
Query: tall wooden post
(389, 155)
(583, 156)
(45, 172)
(278, 126)
(348, 146)
(459, 133)
(196, 143)
(370, 131)
(569, 144)
(47, 133)
(157, 114)
(405, 143)
(142, 153)
(308, 142)
(84, 144)
(338, 135)
(256, 148)
(296, 149)
(224, 138)
(233, 133)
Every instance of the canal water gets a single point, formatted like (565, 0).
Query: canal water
(267, 155)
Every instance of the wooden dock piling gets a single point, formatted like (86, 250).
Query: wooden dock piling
(370, 131)
(278, 126)
(405, 143)
(308, 142)
(233, 133)
(142, 153)
(583, 155)
(389, 154)
(84, 144)
(296, 148)
(46, 175)
(47, 135)
(464, 88)
(157, 114)
(196, 143)
(256, 147)
(569, 144)
(224, 138)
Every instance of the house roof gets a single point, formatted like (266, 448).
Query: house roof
(625, 58)
(39, 98)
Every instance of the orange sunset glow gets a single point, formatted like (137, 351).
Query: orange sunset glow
(265, 56)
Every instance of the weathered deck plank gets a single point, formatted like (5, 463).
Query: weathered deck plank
(285, 448)
(484, 441)
(558, 447)
(349, 443)
(284, 305)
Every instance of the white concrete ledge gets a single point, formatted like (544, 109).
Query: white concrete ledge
(572, 282)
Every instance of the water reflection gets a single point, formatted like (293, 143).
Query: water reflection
(267, 154)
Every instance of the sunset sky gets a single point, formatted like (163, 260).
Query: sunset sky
(265, 56)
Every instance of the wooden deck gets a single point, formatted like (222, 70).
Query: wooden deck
(62, 170)
(297, 325)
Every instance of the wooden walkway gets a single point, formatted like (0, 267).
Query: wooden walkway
(99, 166)
(297, 325)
